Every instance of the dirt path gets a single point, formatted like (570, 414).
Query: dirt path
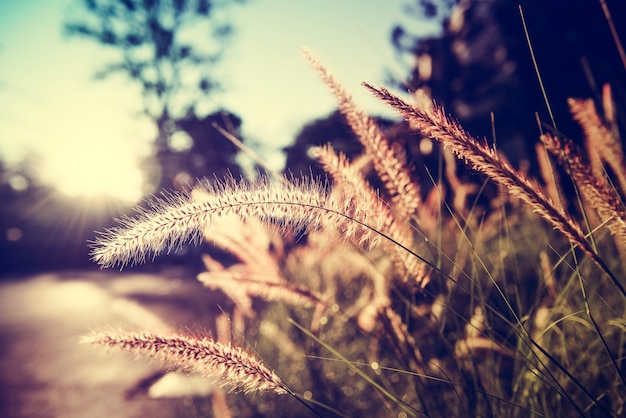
(46, 372)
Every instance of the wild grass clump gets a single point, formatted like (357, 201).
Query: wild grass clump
(398, 302)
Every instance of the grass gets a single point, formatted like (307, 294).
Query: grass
(448, 301)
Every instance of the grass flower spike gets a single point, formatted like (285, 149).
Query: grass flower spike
(228, 365)
(177, 219)
(391, 168)
(434, 123)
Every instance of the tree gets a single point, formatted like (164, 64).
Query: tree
(169, 48)
(195, 149)
(331, 129)
(481, 64)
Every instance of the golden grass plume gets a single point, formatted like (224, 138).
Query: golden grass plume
(433, 122)
(228, 365)
(172, 221)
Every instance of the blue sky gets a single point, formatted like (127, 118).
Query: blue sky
(82, 128)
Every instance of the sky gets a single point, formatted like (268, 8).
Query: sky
(89, 134)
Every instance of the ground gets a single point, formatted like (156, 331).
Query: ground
(46, 372)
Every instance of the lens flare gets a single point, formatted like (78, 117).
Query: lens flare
(94, 171)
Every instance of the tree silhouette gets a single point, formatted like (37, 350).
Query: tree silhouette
(169, 48)
(195, 149)
(330, 129)
(481, 63)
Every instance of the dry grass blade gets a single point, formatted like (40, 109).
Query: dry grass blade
(228, 365)
(435, 124)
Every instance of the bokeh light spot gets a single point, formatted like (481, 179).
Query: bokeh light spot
(14, 234)
(180, 141)
(18, 183)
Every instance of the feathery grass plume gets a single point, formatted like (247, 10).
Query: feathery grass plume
(211, 264)
(550, 177)
(234, 235)
(228, 365)
(174, 220)
(599, 140)
(257, 286)
(346, 176)
(434, 123)
(595, 155)
(349, 180)
(404, 192)
(596, 191)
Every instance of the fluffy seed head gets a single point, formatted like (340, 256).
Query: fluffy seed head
(298, 205)
(228, 365)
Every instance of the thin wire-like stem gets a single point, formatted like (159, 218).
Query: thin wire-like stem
(618, 42)
(405, 407)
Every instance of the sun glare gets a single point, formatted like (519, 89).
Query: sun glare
(95, 171)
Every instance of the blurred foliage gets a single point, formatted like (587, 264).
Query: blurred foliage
(195, 149)
(168, 47)
(481, 64)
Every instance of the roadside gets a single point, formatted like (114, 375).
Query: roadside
(46, 372)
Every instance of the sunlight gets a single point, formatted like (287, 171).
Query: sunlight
(94, 170)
